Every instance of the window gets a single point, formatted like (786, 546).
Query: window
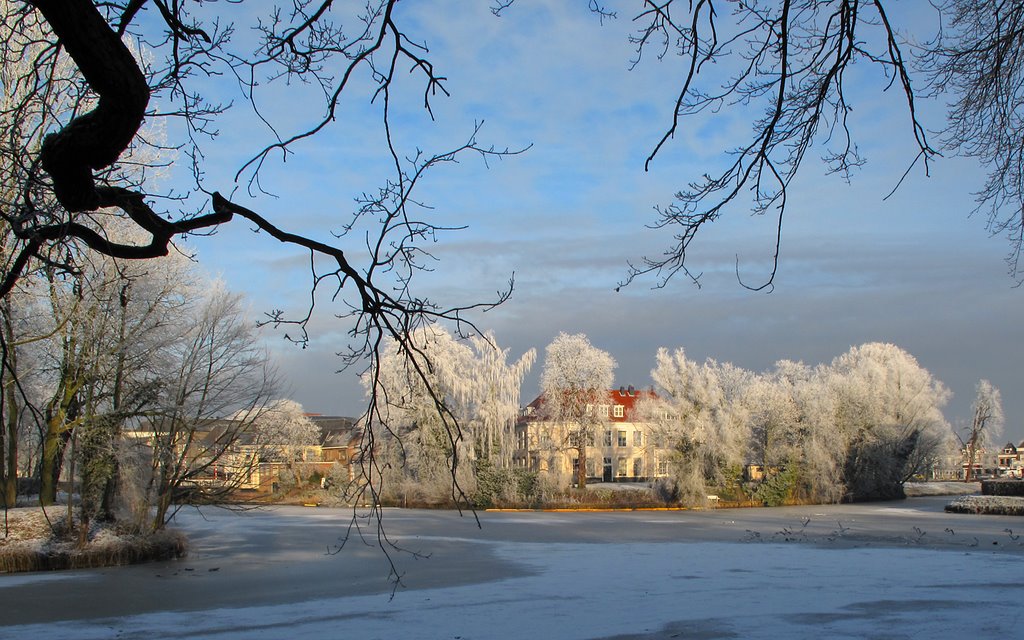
(619, 411)
(638, 467)
(622, 438)
(662, 467)
(638, 438)
(621, 472)
(608, 438)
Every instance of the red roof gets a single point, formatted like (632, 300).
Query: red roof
(625, 396)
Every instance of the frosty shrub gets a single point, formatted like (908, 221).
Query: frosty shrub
(700, 412)
(496, 487)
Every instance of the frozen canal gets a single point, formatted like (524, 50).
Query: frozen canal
(894, 570)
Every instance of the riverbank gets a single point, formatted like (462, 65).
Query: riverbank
(902, 568)
(34, 539)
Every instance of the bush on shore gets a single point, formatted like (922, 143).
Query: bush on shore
(31, 542)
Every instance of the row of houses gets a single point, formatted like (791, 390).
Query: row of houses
(1005, 462)
(223, 455)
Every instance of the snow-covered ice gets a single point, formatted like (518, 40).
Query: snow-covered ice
(622, 588)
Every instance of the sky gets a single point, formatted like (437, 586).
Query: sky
(567, 215)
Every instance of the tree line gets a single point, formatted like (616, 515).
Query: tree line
(133, 379)
(90, 87)
(855, 428)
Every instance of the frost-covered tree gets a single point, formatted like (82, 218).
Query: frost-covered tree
(216, 369)
(887, 410)
(986, 423)
(101, 335)
(777, 413)
(459, 410)
(87, 328)
(26, 114)
(702, 415)
(495, 401)
(858, 427)
(19, 376)
(575, 380)
(421, 408)
(280, 429)
(791, 442)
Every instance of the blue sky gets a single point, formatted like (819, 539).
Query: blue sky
(568, 214)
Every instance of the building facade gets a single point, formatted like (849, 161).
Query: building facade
(620, 446)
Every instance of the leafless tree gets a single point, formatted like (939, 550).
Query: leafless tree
(986, 424)
(786, 62)
(977, 62)
(73, 168)
(216, 370)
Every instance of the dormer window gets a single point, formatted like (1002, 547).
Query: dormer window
(619, 411)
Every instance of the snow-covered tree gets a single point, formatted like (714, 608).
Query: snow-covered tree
(702, 416)
(281, 429)
(887, 411)
(495, 399)
(455, 402)
(986, 423)
(776, 413)
(575, 380)
(104, 335)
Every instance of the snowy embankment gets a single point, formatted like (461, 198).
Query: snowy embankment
(32, 540)
(992, 505)
(917, 489)
(969, 498)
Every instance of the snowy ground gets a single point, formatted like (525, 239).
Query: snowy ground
(897, 570)
(917, 489)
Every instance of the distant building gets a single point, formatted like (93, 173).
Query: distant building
(340, 441)
(1010, 460)
(224, 453)
(620, 449)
